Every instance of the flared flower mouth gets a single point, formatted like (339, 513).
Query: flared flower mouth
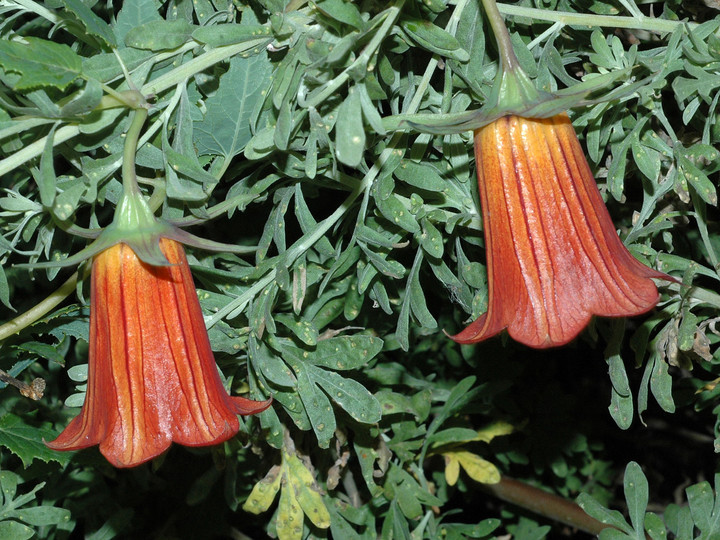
(152, 377)
(554, 259)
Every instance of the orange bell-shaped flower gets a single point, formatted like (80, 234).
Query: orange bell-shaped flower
(553, 257)
(152, 377)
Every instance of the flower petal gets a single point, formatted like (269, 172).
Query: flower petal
(152, 377)
(554, 259)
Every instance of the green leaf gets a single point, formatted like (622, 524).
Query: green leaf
(93, 24)
(159, 35)
(609, 517)
(317, 405)
(421, 175)
(395, 211)
(12, 530)
(705, 508)
(46, 179)
(661, 384)
(304, 330)
(621, 403)
(40, 63)
(341, 11)
(66, 202)
(636, 495)
(349, 131)
(84, 101)
(416, 294)
(5, 290)
(349, 394)
(26, 442)
(133, 15)
(44, 350)
(471, 34)
(435, 39)
(105, 67)
(40, 516)
(219, 35)
(431, 239)
(345, 352)
(225, 129)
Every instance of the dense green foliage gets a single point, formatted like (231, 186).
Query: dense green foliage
(276, 125)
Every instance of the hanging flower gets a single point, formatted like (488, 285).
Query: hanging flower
(152, 377)
(553, 257)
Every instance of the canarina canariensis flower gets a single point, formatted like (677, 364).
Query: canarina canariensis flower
(553, 257)
(152, 377)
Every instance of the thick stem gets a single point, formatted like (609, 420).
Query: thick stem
(545, 504)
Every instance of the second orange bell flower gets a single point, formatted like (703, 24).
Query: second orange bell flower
(152, 377)
(553, 257)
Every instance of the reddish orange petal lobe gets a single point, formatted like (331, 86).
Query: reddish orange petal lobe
(152, 377)
(553, 257)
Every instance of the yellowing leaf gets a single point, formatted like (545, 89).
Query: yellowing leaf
(307, 494)
(477, 468)
(452, 469)
(299, 495)
(263, 494)
(488, 433)
(289, 516)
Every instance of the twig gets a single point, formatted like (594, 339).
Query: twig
(33, 390)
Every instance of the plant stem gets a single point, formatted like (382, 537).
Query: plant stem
(502, 36)
(650, 24)
(129, 179)
(545, 504)
(33, 314)
(36, 8)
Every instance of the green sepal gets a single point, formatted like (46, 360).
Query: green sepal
(545, 106)
(135, 225)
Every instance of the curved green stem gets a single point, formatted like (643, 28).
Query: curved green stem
(33, 314)
(129, 179)
(502, 36)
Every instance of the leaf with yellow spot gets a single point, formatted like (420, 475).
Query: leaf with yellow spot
(289, 520)
(299, 495)
(307, 493)
(477, 468)
(263, 494)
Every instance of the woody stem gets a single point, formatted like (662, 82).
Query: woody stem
(544, 504)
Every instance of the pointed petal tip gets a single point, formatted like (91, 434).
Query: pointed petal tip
(245, 406)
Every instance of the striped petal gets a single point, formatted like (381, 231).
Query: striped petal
(554, 259)
(152, 376)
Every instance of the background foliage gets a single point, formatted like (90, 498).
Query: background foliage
(275, 126)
